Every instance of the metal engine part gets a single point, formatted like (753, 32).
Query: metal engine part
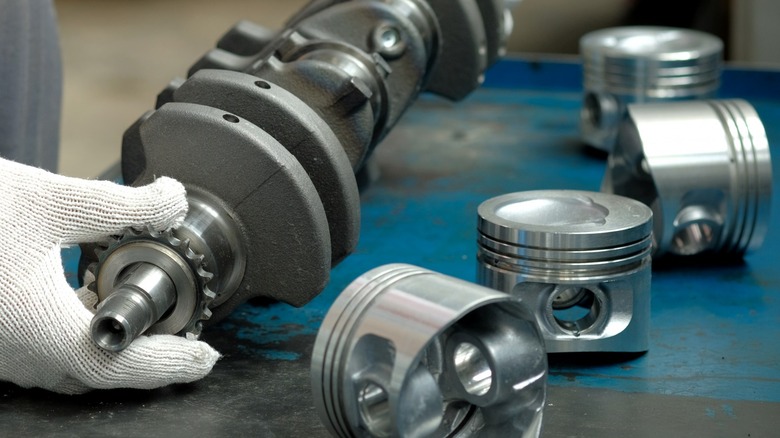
(267, 132)
(408, 352)
(636, 64)
(703, 167)
(579, 260)
(158, 282)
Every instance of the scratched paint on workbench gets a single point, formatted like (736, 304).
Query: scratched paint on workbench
(715, 328)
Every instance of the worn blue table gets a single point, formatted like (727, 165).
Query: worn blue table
(713, 368)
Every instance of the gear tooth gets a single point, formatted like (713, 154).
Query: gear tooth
(171, 238)
(206, 275)
(209, 294)
(192, 255)
(104, 243)
(90, 276)
(206, 313)
(188, 252)
(101, 251)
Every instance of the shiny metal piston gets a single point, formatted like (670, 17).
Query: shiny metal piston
(579, 260)
(637, 64)
(406, 352)
(705, 170)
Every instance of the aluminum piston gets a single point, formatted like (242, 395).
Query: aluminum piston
(579, 260)
(408, 352)
(637, 64)
(703, 167)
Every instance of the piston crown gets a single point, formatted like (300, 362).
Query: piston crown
(653, 43)
(565, 219)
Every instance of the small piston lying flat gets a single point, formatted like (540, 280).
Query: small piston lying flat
(636, 64)
(407, 352)
(705, 170)
(579, 260)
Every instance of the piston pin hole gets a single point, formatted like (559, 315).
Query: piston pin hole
(374, 408)
(473, 370)
(575, 309)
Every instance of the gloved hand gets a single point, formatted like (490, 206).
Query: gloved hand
(44, 326)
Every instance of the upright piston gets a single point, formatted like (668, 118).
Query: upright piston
(410, 353)
(703, 167)
(626, 65)
(579, 260)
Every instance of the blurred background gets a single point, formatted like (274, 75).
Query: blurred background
(118, 54)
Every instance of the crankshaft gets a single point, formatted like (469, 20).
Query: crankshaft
(266, 134)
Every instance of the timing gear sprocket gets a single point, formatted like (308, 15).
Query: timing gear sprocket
(186, 268)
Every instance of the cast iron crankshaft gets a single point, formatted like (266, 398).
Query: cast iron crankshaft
(266, 134)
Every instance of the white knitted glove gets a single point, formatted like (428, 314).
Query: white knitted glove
(44, 327)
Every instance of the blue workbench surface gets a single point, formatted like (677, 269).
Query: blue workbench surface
(715, 326)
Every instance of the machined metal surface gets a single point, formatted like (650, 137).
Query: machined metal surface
(404, 351)
(704, 168)
(167, 282)
(635, 64)
(138, 301)
(120, 262)
(579, 260)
